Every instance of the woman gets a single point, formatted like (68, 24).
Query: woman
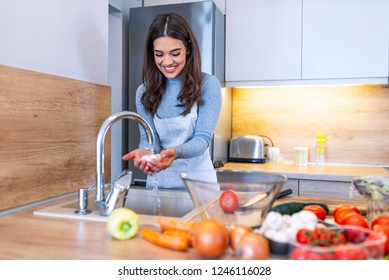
(181, 104)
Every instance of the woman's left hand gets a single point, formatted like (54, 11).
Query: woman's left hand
(167, 158)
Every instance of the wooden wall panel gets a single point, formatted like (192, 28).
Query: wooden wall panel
(354, 118)
(48, 129)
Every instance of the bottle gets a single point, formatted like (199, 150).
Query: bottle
(321, 150)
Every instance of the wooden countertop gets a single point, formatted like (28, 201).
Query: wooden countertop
(27, 237)
(313, 172)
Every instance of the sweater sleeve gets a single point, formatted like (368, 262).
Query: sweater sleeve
(208, 115)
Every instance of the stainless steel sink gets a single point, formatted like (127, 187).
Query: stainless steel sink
(145, 202)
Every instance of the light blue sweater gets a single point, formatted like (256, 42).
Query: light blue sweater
(208, 115)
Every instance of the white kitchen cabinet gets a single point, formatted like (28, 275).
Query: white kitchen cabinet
(345, 39)
(296, 42)
(263, 40)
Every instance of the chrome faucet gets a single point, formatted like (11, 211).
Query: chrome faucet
(122, 183)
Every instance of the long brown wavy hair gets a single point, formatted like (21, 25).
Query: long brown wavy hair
(175, 26)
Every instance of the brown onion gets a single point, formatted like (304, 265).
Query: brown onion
(253, 247)
(210, 238)
(237, 233)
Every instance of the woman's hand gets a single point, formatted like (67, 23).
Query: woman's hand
(152, 165)
(166, 159)
(138, 162)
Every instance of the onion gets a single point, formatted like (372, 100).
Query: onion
(253, 247)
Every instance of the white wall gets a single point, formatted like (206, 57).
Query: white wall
(67, 38)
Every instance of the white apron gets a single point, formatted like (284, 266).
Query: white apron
(173, 132)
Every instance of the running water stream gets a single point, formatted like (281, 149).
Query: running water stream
(157, 200)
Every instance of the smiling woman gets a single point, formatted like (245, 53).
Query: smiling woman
(170, 56)
(181, 104)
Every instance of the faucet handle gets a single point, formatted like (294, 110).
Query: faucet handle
(118, 193)
(123, 181)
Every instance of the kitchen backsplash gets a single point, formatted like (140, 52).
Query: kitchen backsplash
(355, 120)
(48, 133)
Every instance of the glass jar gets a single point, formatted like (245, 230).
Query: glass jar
(321, 149)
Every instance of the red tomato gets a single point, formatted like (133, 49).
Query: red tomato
(323, 236)
(355, 219)
(229, 201)
(342, 215)
(348, 207)
(304, 254)
(375, 250)
(380, 220)
(306, 236)
(344, 211)
(385, 229)
(325, 255)
(354, 234)
(318, 210)
(338, 238)
(350, 251)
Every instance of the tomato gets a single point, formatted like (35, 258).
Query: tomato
(376, 250)
(237, 233)
(346, 207)
(229, 201)
(355, 219)
(323, 236)
(338, 238)
(343, 212)
(354, 234)
(304, 254)
(385, 229)
(381, 220)
(343, 215)
(210, 238)
(350, 251)
(253, 246)
(123, 223)
(305, 236)
(318, 210)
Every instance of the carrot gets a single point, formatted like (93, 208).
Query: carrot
(175, 242)
(167, 223)
(174, 232)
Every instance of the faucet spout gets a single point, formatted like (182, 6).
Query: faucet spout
(106, 207)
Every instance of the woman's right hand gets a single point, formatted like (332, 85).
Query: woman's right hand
(137, 155)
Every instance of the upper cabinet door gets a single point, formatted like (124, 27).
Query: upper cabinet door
(263, 40)
(345, 39)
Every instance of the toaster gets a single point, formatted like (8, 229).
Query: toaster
(249, 148)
